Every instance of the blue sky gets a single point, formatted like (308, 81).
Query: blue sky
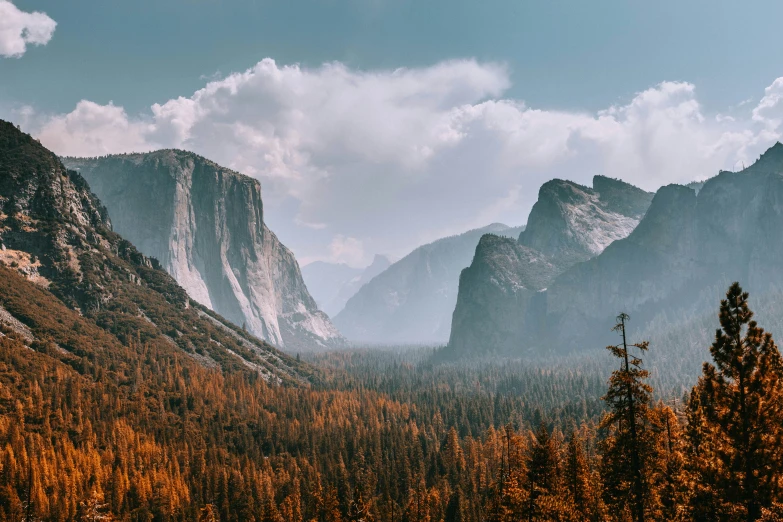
(562, 54)
(494, 98)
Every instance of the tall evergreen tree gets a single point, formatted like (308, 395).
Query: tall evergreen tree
(626, 451)
(668, 473)
(741, 399)
(578, 478)
(704, 502)
(542, 469)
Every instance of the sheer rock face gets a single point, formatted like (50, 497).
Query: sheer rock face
(691, 244)
(56, 234)
(412, 301)
(681, 258)
(499, 295)
(502, 299)
(205, 225)
(572, 223)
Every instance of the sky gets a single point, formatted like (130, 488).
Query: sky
(375, 126)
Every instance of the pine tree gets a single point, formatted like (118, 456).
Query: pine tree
(577, 478)
(455, 510)
(208, 514)
(741, 399)
(93, 508)
(626, 451)
(668, 470)
(542, 469)
(704, 502)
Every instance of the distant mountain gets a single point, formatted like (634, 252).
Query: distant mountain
(503, 291)
(205, 224)
(325, 281)
(332, 284)
(413, 299)
(77, 291)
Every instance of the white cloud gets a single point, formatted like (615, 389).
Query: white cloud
(18, 29)
(770, 109)
(390, 159)
(347, 250)
(95, 130)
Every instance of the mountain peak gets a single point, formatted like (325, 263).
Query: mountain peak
(577, 222)
(773, 154)
(770, 162)
(601, 182)
(379, 263)
(563, 190)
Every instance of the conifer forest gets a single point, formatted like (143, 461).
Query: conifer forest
(142, 434)
(391, 261)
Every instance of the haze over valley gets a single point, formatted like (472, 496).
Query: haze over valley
(390, 262)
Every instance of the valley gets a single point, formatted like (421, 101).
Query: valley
(162, 357)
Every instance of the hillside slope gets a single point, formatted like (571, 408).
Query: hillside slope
(56, 234)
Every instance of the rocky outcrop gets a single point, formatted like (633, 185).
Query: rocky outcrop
(412, 301)
(675, 265)
(572, 223)
(204, 223)
(507, 280)
(680, 259)
(56, 234)
(501, 304)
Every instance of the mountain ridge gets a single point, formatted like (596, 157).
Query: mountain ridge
(412, 301)
(691, 243)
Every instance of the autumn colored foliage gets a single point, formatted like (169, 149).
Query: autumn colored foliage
(136, 431)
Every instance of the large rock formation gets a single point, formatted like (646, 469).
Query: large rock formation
(412, 301)
(502, 295)
(680, 259)
(204, 223)
(56, 234)
(674, 266)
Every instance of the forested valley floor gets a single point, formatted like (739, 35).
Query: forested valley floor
(136, 433)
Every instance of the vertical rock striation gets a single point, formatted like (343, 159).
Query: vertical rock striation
(205, 225)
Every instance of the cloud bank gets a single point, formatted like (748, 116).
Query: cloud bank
(358, 162)
(18, 29)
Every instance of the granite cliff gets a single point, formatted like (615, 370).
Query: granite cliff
(86, 293)
(502, 294)
(205, 225)
(680, 259)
